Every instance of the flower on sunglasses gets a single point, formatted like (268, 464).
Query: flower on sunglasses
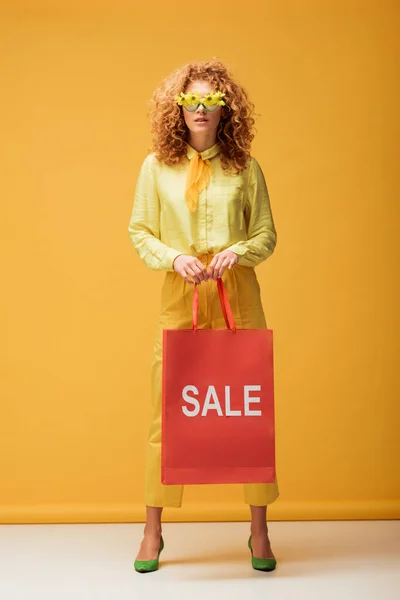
(193, 98)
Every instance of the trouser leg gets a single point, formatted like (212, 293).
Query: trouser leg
(175, 312)
(156, 493)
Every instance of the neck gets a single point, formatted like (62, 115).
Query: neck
(202, 142)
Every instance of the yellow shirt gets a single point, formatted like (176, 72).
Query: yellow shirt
(233, 212)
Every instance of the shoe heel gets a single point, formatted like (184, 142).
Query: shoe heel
(261, 564)
(147, 566)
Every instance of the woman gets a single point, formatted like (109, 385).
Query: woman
(201, 211)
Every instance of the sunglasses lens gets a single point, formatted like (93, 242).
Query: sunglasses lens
(193, 107)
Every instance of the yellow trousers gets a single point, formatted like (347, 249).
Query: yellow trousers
(176, 312)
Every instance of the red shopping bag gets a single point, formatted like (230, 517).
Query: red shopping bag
(217, 403)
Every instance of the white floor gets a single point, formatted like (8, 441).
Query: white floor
(340, 560)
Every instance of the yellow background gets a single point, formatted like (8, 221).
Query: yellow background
(79, 308)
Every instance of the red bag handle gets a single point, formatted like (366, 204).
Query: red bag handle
(225, 305)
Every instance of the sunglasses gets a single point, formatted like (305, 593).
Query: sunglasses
(191, 101)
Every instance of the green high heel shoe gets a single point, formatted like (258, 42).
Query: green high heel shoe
(261, 564)
(146, 566)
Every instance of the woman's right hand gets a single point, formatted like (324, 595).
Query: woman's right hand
(187, 265)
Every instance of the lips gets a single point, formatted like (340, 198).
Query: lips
(201, 120)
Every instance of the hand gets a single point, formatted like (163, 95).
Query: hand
(220, 261)
(187, 265)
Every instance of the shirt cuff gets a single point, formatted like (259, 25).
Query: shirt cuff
(169, 258)
(237, 249)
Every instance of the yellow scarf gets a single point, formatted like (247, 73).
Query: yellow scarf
(198, 178)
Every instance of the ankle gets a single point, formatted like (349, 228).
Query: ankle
(152, 530)
(258, 530)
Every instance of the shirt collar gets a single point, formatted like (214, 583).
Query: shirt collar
(209, 153)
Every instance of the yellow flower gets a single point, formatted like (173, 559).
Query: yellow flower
(193, 98)
(218, 96)
(208, 99)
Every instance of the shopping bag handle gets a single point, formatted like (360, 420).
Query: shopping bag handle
(225, 305)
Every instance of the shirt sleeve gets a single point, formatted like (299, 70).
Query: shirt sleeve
(261, 233)
(144, 224)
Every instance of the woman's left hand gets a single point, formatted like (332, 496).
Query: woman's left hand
(220, 262)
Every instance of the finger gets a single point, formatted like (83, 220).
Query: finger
(217, 268)
(224, 265)
(216, 271)
(206, 273)
(212, 263)
(186, 278)
(211, 270)
(216, 263)
(201, 269)
(196, 269)
(232, 261)
(192, 273)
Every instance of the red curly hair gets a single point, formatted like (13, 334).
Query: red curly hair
(168, 127)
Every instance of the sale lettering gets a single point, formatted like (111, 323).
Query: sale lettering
(211, 401)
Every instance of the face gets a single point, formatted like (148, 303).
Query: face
(202, 132)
